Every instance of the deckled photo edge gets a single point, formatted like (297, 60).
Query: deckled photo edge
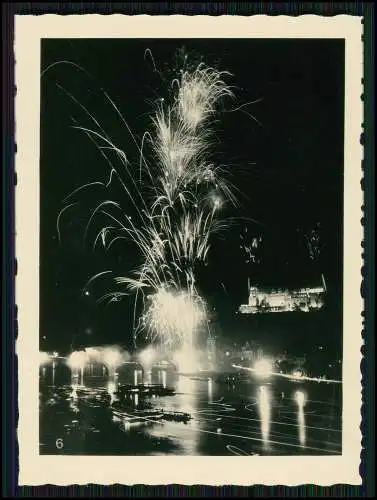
(36, 469)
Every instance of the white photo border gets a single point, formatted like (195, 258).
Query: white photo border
(34, 469)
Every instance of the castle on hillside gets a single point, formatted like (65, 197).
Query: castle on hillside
(267, 300)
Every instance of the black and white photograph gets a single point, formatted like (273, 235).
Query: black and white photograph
(191, 246)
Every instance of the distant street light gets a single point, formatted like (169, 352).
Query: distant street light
(300, 398)
(263, 368)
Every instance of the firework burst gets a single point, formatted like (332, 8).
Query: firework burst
(176, 193)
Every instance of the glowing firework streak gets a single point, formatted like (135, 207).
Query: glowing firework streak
(186, 358)
(176, 199)
(173, 315)
(292, 377)
(210, 391)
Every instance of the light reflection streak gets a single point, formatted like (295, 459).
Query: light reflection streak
(300, 399)
(301, 423)
(251, 430)
(238, 451)
(112, 388)
(74, 398)
(281, 443)
(149, 377)
(163, 373)
(185, 400)
(210, 391)
(214, 413)
(243, 430)
(265, 413)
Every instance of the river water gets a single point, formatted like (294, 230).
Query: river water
(227, 417)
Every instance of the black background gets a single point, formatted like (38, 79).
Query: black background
(287, 162)
(10, 485)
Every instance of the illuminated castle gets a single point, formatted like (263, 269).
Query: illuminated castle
(267, 300)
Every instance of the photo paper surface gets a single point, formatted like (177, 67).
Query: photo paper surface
(188, 241)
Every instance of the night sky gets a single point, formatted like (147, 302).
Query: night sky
(284, 153)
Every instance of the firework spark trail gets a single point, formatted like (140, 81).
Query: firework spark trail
(176, 196)
(180, 143)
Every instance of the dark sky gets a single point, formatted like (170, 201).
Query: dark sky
(289, 166)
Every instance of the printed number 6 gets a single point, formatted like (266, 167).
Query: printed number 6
(59, 443)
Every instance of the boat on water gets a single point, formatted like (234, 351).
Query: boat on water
(145, 415)
(157, 389)
(174, 416)
(151, 415)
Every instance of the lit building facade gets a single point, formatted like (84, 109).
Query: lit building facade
(278, 300)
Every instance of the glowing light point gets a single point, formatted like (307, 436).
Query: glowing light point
(147, 357)
(300, 398)
(297, 374)
(263, 368)
(77, 361)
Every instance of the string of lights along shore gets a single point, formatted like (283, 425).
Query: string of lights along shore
(183, 284)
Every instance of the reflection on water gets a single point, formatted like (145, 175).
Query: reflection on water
(210, 391)
(186, 392)
(301, 423)
(148, 377)
(73, 397)
(265, 413)
(112, 388)
(184, 436)
(138, 376)
(163, 378)
(300, 399)
(92, 416)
